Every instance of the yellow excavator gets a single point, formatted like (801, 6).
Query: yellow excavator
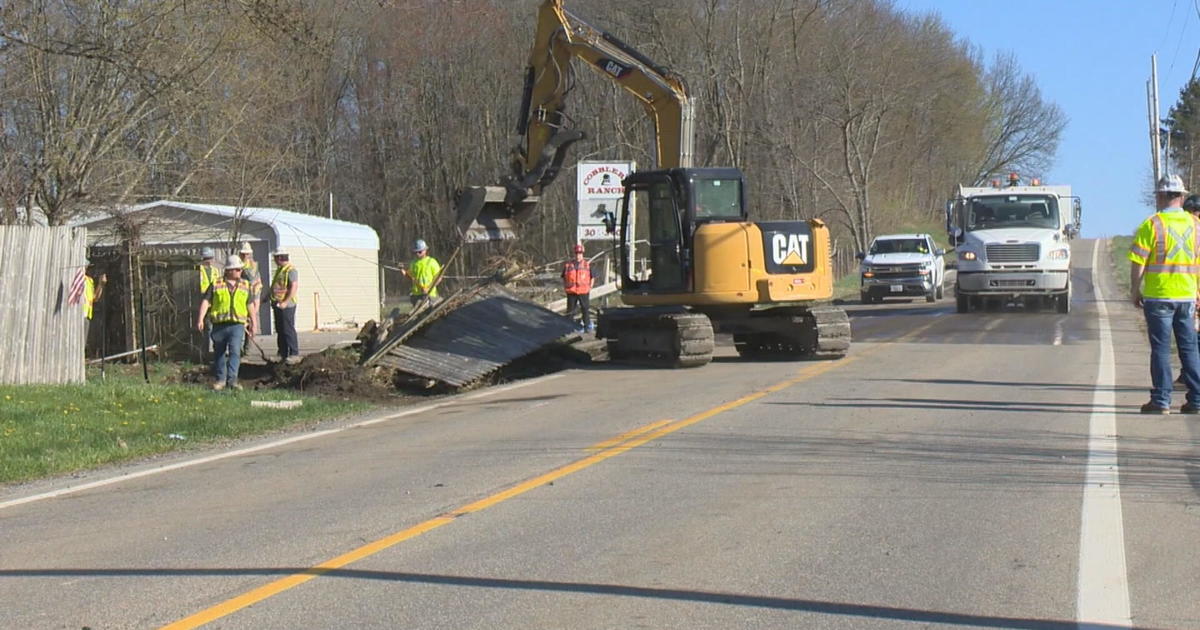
(692, 263)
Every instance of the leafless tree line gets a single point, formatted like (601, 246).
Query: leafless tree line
(846, 110)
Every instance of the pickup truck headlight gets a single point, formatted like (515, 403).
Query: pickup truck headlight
(968, 255)
(1060, 254)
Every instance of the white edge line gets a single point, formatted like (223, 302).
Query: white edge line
(269, 445)
(1103, 581)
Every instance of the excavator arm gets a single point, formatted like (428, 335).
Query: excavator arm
(546, 131)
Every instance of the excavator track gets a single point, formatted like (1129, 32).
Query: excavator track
(655, 339)
(812, 333)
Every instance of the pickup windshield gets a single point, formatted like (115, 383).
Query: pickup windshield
(1007, 211)
(900, 246)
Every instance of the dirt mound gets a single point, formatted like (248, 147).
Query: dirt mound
(333, 373)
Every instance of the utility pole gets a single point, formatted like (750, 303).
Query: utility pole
(1152, 105)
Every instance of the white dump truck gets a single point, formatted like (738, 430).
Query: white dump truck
(1012, 243)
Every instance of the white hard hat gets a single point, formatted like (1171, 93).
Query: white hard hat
(234, 262)
(207, 253)
(246, 249)
(280, 252)
(1171, 184)
(419, 245)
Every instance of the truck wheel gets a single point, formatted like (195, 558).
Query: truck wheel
(941, 292)
(931, 296)
(1063, 301)
(962, 303)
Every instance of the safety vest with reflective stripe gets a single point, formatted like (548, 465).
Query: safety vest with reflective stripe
(230, 307)
(1168, 246)
(208, 275)
(279, 284)
(577, 277)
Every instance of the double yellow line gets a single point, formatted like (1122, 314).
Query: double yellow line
(604, 450)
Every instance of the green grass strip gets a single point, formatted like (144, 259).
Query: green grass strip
(55, 429)
(1118, 247)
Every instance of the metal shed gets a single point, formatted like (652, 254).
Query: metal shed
(338, 261)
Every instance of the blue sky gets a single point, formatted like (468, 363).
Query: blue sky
(1092, 58)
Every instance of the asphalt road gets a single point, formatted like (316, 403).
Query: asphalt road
(954, 471)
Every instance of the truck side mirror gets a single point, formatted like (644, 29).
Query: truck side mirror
(860, 256)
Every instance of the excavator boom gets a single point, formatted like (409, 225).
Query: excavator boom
(546, 132)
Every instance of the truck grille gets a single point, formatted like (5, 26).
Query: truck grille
(897, 271)
(1002, 253)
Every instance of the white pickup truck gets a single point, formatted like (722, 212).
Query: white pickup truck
(902, 265)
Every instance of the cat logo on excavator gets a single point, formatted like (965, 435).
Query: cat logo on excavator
(789, 249)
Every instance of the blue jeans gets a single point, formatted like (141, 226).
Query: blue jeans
(227, 340)
(1162, 320)
(285, 331)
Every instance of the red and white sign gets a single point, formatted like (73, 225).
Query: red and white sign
(597, 190)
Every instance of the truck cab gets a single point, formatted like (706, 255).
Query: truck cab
(1012, 243)
(902, 265)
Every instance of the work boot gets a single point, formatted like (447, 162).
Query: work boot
(292, 360)
(236, 386)
(218, 386)
(1153, 409)
(1190, 409)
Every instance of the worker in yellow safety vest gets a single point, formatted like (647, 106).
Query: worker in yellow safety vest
(208, 269)
(423, 271)
(233, 310)
(93, 288)
(1163, 282)
(284, 287)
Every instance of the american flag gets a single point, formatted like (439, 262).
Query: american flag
(75, 295)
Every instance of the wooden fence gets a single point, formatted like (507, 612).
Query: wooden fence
(41, 331)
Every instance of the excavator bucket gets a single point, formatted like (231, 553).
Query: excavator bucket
(483, 213)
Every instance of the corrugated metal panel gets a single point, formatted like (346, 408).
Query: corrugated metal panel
(41, 334)
(477, 338)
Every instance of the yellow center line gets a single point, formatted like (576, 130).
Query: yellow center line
(626, 435)
(646, 434)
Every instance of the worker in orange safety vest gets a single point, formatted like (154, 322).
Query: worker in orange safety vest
(577, 282)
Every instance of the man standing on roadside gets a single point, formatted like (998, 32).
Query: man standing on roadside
(232, 310)
(423, 271)
(209, 274)
(250, 274)
(284, 286)
(577, 282)
(1165, 264)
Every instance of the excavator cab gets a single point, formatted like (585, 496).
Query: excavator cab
(659, 217)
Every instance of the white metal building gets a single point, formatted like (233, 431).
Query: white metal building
(338, 261)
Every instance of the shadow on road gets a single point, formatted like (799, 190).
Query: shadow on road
(1076, 387)
(734, 599)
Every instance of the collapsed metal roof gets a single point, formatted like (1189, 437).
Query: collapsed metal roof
(470, 336)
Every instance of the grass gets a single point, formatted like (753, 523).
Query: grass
(1118, 247)
(55, 429)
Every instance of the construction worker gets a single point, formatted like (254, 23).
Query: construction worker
(209, 274)
(93, 288)
(284, 286)
(423, 271)
(577, 282)
(1165, 261)
(250, 274)
(208, 269)
(250, 268)
(233, 310)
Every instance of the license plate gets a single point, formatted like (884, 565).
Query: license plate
(897, 288)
